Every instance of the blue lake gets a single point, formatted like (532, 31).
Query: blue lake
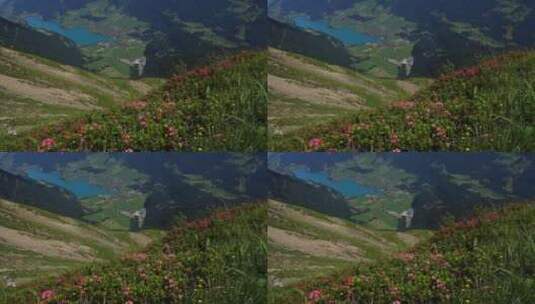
(81, 189)
(347, 187)
(79, 35)
(347, 35)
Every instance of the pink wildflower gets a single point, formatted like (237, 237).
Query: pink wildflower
(142, 119)
(170, 131)
(47, 294)
(315, 143)
(403, 104)
(314, 295)
(47, 144)
(396, 302)
(394, 139)
(137, 105)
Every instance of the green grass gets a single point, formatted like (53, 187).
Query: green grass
(219, 107)
(488, 258)
(21, 112)
(486, 107)
(217, 259)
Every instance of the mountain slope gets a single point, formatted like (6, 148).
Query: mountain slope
(217, 259)
(485, 107)
(43, 196)
(304, 244)
(311, 44)
(487, 258)
(44, 44)
(36, 243)
(35, 91)
(218, 107)
(305, 91)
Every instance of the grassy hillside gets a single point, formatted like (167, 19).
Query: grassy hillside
(305, 91)
(218, 107)
(485, 107)
(217, 259)
(487, 258)
(36, 243)
(36, 91)
(304, 245)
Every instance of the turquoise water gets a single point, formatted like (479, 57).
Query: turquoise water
(347, 187)
(79, 35)
(81, 189)
(347, 35)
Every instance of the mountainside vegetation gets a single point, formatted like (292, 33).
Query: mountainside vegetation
(218, 107)
(36, 244)
(305, 92)
(305, 244)
(219, 258)
(484, 258)
(35, 91)
(489, 106)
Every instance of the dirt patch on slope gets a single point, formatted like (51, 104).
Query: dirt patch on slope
(52, 248)
(66, 225)
(51, 96)
(321, 96)
(64, 72)
(408, 87)
(330, 72)
(294, 241)
(331, 224)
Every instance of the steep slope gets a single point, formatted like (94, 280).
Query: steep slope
(217, 259)
(482, 259)
(304, 244)
(485, 107)
(305, 91)
(35, 91)
(217, 107)
(44, 44)
(43, 196)
(36, 243)
(311, 44)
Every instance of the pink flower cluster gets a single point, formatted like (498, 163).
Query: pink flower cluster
(47, 144)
